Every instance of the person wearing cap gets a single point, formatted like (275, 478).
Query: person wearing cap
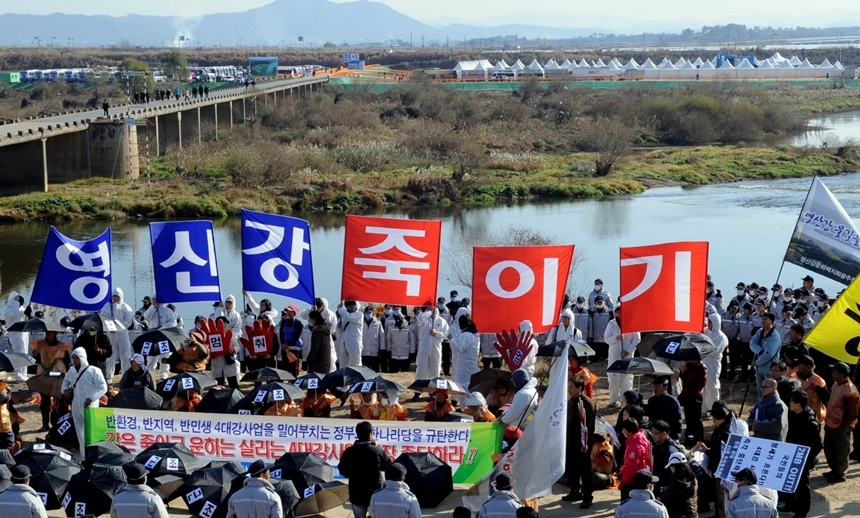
(257, 498)
(741, 298)
(769, 417)
(842, 408)
(394, 499)
(289, 334)
(641, 501)
(363, 463)
(760, 308)
(372, 339)
(637, 455)
(136, 499)
(783, 325)
(809, 283)
(680, 495)
(814, 386)
(748, 501)
(662, 449)
(598, 291)
(715, 297)
(765, 346)
(123, 318)
(85, 384)
(503, 503)
(663, 406)
(804, 430)
(19, 500)
(565, 329)
(822, 304)
(801, 314)
(741, 355)
(621, 346)
(454, 304)
(524, 401)
(714, 360)
(731, 327)
(476, 406)
(599, 316)
(137, 375)
(580, 429)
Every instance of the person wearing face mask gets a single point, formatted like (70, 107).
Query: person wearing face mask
(715, 298)
(454, 304)
(740, 353)
(580, 315)
(465, 351)
(290, 337)
(490, 356)
(598, 319)
(98, 349)
(787, 299)
(598, 292)
(351, 334)
(123, 317)
(400, 343)
(741, 298)
(621, 346)
(809, 283)
(446, 344)
(775, 305)
(390, 408)
(822, 304)
(84, 385)
(14, 311)
(373, 339)
(565, 330)
(801, 314)
(713, 361)
(783, 326)
(433, 329)
(803, 296)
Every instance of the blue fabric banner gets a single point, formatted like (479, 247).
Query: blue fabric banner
(183, 261)
(276, 256)
(74, 274)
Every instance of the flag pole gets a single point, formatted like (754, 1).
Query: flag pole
(799, 215)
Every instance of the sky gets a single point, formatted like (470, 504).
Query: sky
(495, 11)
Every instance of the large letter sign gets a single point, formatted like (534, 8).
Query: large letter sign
(663, 287)
(393, 261)
(74, 274)
(183, 260)
(276, 255)
(512, 284)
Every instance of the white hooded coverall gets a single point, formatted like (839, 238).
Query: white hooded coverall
(86, 382)
(618, 343)
(428, 363)
(350, 337)
(13, 312)
(123, 316)
(713, 361)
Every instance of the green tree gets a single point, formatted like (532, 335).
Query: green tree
(175, 64)
(141, 79)
(329, 45)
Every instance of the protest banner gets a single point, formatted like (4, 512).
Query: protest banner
(778, 465)
(466, 447)
(74, 274)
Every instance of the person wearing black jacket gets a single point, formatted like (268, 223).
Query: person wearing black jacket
(662, 449)
(663, 406)
(98, 348)
(722, 417)
(363, 464)
(580, 413)
(137, 375)
(803, 429)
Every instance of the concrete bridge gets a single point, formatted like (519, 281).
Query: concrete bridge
(61, 148)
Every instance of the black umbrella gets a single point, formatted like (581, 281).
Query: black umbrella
(43, 448)
(434, 384)
(11, 361)
(91, 491)
(346, 377)
(287, 491)
(50, 474)
(310, 381)
(457, 417)
(198, 381)
(303, 469)
(5, 477)
(168, 458)
(165, 486)
(219, 401)
(34, 325)
(159, 341)
(47, 383)
(233, 466)
(489, 376)
(64, 431)
(274, 392)
(640, 366)
(377, 384)
(137, 398)
(107, 453)
(206, 491)
(576, 349)
(685, 347)
(430, 479)
(268, 374)
(319, 498)
(93, 322)
(6, 458)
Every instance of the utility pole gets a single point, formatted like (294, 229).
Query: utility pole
(422, 40)
(410, 39)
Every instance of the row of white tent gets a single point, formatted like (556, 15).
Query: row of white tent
(774, 67)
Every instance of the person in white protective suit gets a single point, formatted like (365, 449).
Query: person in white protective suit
(531, 360)
(85, 384)
(330, 319)
(432, 330)
(159, 316)
(525, 400)
(621, 346)
(464, 355)
(220, 368)
(13, 312)
(565, 330)
(123, 318)
(350, 334)
(714, 360)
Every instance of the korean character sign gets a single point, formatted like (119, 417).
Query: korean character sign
(276, 255)
(778, 465)
(389, 260)
(74, 274)
(184, 263)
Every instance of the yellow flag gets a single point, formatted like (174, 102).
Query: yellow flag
(837, 334)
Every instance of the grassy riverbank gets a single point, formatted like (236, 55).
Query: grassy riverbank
(214, 195)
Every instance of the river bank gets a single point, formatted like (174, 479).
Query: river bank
(169, 193)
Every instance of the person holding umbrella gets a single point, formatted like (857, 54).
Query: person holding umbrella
(363, 463)
(20, 500)
(137, 375)
(137, 499)
(257, 498)
(317, 404)
(52, 355)
(192, 357)
(85, 385)
(439, 408)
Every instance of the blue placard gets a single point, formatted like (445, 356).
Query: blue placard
(276, 255)
(74, 274)
(183, 261)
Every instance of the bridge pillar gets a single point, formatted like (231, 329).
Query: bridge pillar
(179, 128)
(44, 164)
(157, 139)
(231, 114)
(275, 98)
(199, 127)
(216, 122)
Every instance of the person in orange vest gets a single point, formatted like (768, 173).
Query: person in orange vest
(577, 370)
(317, 404)
(436, 410)
(368, 410)
(284, 409)
(390, 409)
(476, 406)
(51, 355)
(842, 411)
(187, 401)
(7, 436)
(813, 385)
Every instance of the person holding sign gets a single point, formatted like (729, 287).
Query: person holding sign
(257, 498)
(85, 385)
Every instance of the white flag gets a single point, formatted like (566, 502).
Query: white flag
(825, 239)
(537, 459)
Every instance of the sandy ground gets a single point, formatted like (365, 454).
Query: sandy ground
(827, 500)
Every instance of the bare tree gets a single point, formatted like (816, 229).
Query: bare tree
(610, 139)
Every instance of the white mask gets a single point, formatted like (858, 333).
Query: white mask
(599, 305)
(816, 298)
(598, 287)
(787, 299)
(580, 305)
(821, 303)
(741, 293)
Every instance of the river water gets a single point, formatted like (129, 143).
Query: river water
(748, 225)
(830, 130)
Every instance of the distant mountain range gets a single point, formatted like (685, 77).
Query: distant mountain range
(282, 22)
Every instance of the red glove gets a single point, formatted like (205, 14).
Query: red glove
(259, 340)
(218, 338)
(514, 349)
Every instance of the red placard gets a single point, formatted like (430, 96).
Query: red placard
(218, 338)
(515, 283)
(259, 339)
(663, 287)
(391, 261)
